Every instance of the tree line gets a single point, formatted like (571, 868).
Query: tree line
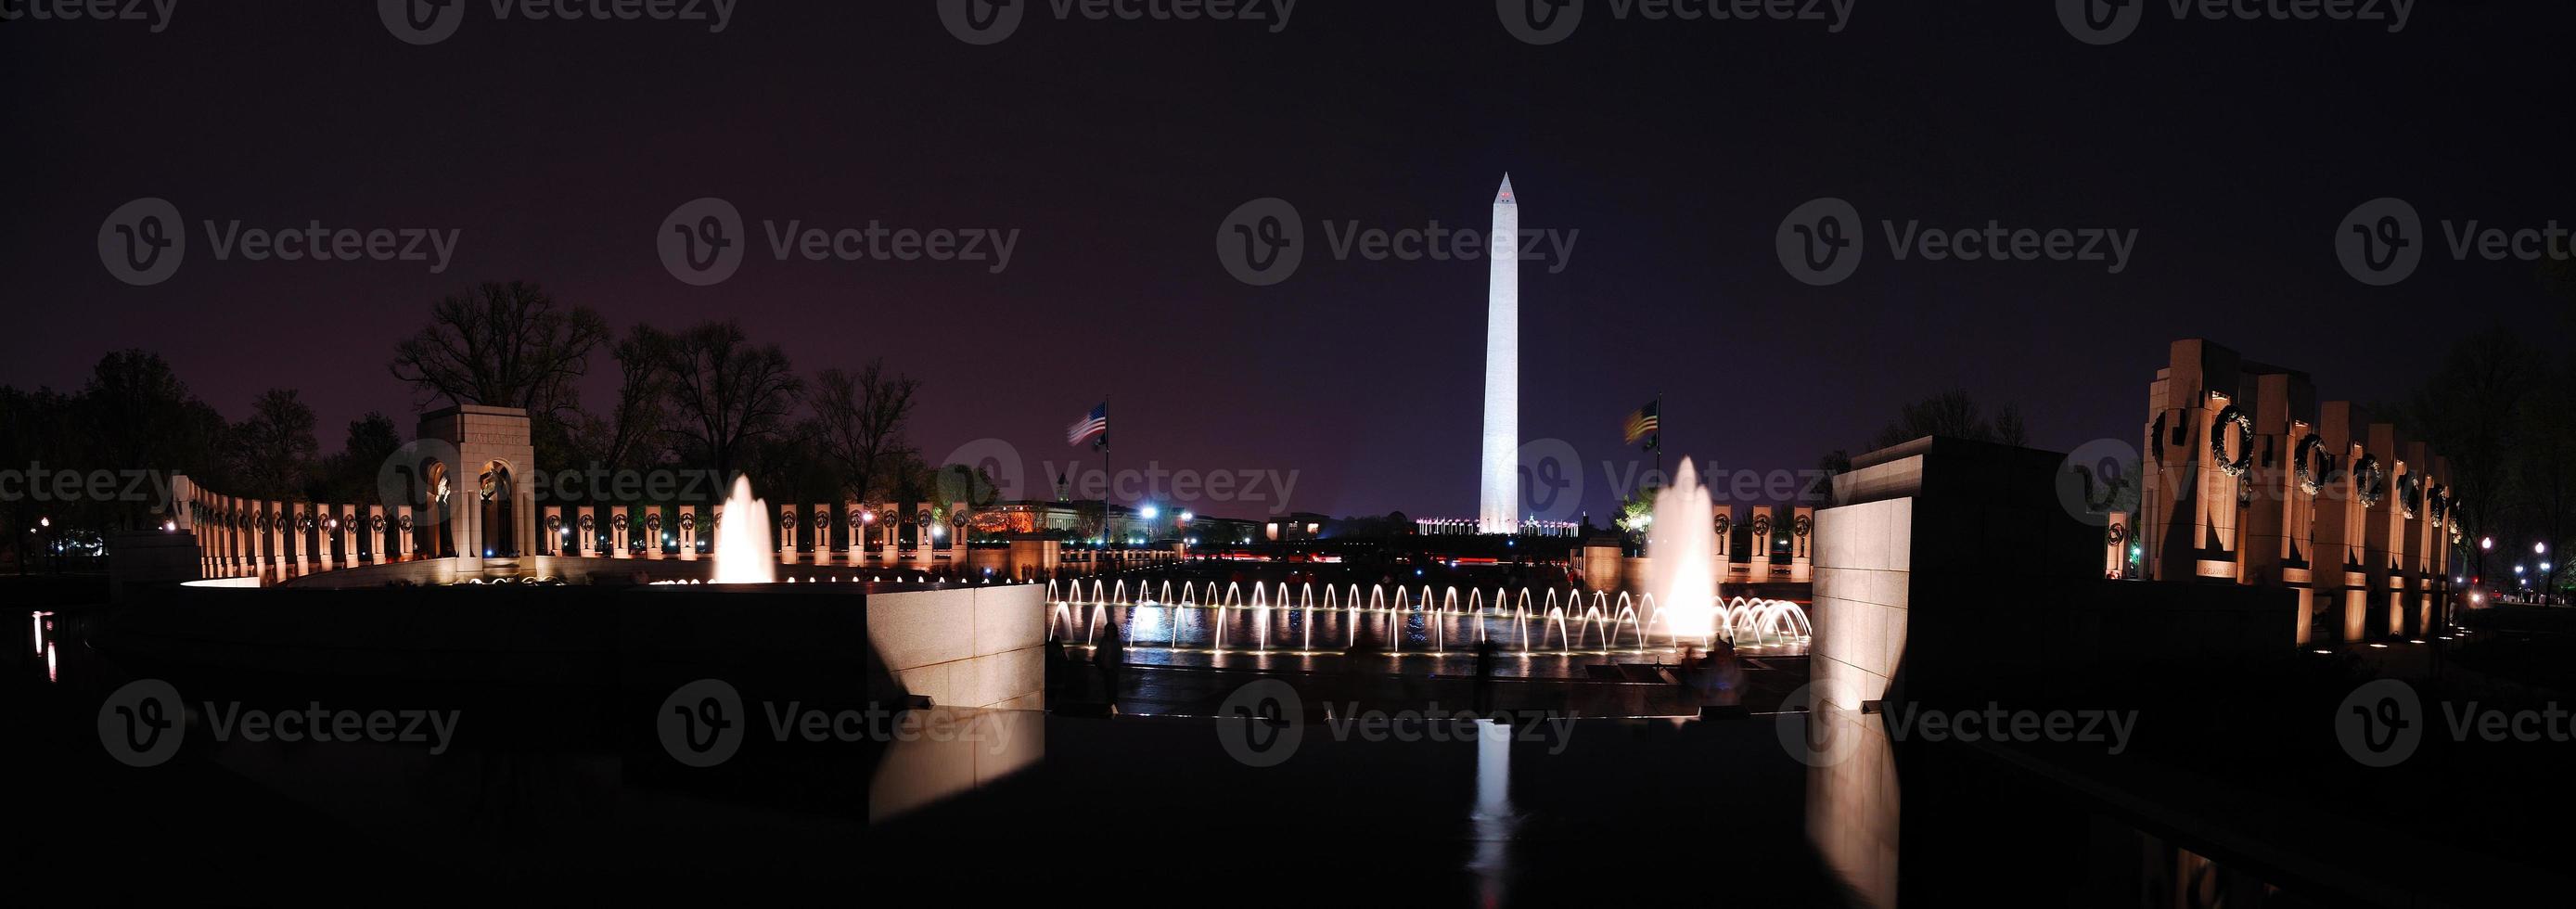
(705, 397)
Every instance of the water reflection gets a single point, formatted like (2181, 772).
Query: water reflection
(1493, 822)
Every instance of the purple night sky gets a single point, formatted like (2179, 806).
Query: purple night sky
(1116, 148)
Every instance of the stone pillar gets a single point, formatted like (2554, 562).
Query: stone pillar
(585, 534)
(345, 534)
(2384, 535)
(786, 537)
(2190, 495)
(854, 521)
(1758, 543)
(2342, 586)
(2283, 407)
(1723, 525)
(818, 532)
(376, 551)
(550, 533)
(2415, 504)
(1802, 543)
(620, 532)
(687, 522)
(2115, 546)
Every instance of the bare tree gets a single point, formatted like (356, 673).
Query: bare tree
(2472, 411)
(727, 392)
(275, 445)
(643, 408)
(505, 345)
(859, 421)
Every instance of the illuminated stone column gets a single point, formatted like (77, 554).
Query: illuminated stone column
(2419, 538)
(854, 521)
(688, 533)
(620, 538)
(585, 537)
(2115, 545)
(377, 549)
(656, 533)
(2341, 581)
(1722, 525)
(2384, 534)
(818, 527)
(1802, 542)
(2190, 495)
(2272, 552)
(1498, 502)
(551, 539)
(1760, 542)
(345, 534)
(786, 538)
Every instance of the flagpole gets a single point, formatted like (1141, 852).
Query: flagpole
(1659, 438)
(1112, 485)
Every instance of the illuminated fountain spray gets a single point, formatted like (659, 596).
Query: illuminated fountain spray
(1681, 573)
(743, 551)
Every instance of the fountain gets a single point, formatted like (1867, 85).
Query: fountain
(1681, 575)
(743, 551)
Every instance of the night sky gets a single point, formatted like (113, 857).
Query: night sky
(1116, 148)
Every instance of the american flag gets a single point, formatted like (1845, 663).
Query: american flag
(1096, 424)
(1646, 423)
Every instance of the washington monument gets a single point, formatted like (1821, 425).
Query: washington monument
(1498, 508)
